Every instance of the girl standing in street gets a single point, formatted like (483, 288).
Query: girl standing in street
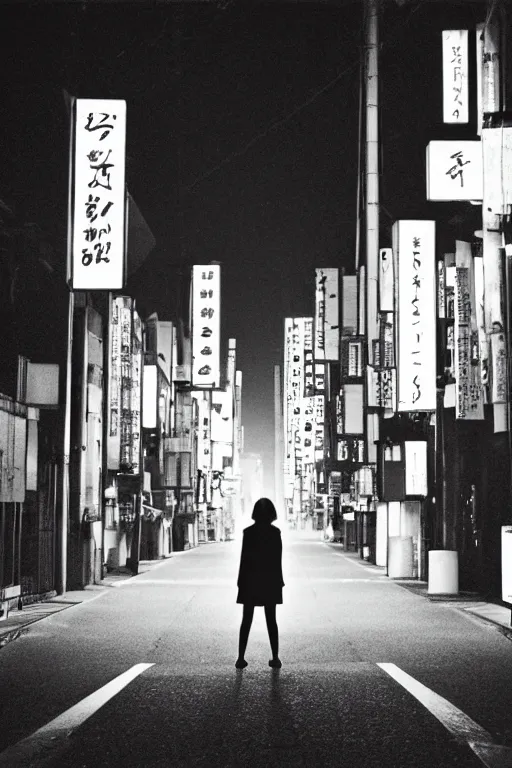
(260, 578)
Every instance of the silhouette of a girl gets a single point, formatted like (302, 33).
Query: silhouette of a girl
(260, 578)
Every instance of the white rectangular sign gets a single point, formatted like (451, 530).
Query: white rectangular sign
(454, 170)
(441, 288)
(386, 280)
(327, 332)
(416, 468)
(97, 243)
(414, 242)
(455, 75)
(206, 325)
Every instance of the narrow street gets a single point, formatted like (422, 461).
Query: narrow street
(330, 704)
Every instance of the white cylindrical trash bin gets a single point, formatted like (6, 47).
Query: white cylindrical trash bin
(400, 557)
(443, 572)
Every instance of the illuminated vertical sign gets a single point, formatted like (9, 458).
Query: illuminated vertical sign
(97, 196)
(455, 75)
(414, 242)
(327, 334)
(206, 325)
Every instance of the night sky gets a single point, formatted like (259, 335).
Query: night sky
(241, 142)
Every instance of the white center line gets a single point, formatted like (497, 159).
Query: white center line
(454, 720)
(51, 735)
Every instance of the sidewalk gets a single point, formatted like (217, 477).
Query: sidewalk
(469, 602)
(18, 621)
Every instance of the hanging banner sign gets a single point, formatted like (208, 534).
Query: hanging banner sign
(386, 280)
(499, 368)
(96, 258)
(483, 344)
(454, 170)
(441, 288)
(455, 75)
(468, 387)
(327, 332)
(414, 245)
(206, 325)
(386, 388)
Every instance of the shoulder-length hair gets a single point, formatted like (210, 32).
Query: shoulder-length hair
(264, 511)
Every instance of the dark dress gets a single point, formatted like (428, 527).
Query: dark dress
(260, 578)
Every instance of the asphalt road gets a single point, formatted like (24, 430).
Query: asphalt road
(372, 674)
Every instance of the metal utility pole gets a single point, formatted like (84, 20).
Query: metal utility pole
(372, 170)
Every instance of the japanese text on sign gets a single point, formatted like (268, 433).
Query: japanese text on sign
(455, 76)
(415, 243)
(206, 325)
(98, 194)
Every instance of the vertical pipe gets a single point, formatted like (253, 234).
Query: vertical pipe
(372, 171)
(359, 163)
(2, 545)
(20, 527)
(62, 529)
(138, 499)
(107, 356)
(14, 524)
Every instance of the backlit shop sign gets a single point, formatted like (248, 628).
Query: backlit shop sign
(206, 325)
(414, 242)
(96, 257)
(455, 75)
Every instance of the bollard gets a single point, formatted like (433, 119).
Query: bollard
(443, 572)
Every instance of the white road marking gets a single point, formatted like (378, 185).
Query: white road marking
(54, 733)
(454, 720)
